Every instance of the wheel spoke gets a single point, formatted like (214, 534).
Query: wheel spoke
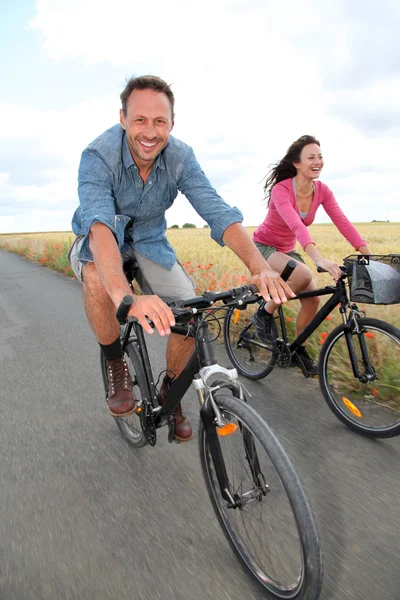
(252, 358)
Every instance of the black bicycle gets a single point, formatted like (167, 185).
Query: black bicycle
(359, 362)
(254, 489)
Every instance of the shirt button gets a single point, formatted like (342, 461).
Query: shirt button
(150, 182)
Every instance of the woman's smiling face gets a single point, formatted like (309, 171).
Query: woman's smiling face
(311, 162)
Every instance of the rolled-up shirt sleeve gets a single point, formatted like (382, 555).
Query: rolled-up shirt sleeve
(193, 183)
(290, 216)
(96, 201)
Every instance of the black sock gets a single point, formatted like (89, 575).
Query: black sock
(264, 313)
(112, 351)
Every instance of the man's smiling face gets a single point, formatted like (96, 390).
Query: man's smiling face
(148, 123)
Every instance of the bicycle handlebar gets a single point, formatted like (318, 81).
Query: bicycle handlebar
(343, 268)
(239, 297)
(288, 270)
(123, 309)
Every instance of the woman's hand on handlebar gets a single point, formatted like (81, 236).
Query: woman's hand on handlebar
(272, 286)
(330, 267)
(153, 308)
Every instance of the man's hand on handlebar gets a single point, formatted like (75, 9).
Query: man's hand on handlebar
(272, 286)
(153, 308)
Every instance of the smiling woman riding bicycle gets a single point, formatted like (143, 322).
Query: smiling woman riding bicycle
(294, 195)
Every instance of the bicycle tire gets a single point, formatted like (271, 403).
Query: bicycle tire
(253, 359)
(130, 427)
(363, 407)
(292, 507)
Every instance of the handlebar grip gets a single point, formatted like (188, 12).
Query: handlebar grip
(288, 270)
(123, 309)
(344, 268)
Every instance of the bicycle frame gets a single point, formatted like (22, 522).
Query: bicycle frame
(203, 357)
(338, 296)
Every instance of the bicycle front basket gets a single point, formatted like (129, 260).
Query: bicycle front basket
(374, 279)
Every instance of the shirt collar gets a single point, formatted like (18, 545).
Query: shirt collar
(126, 153)
(160, 161)
(129, 162)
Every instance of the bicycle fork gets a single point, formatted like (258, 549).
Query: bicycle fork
(369, 373)
(212, 419)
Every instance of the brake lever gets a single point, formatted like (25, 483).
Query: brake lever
(241, 301)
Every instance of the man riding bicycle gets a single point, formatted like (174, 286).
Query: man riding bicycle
(128, 177)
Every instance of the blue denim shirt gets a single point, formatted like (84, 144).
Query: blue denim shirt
(112, 192)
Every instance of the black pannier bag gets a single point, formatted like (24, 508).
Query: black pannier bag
(374, 279)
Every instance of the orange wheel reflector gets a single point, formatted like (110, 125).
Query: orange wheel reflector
(352, 407)
(227, 429)
(236, 316)
(369, 335)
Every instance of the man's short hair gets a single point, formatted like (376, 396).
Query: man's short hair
(147, 82)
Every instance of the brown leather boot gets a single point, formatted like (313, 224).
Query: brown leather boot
(183, 428)
(121, 402)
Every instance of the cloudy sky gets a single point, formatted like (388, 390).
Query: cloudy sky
(249, 77)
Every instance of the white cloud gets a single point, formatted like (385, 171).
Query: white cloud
(248, 80)
(45, 137)
(64, 132)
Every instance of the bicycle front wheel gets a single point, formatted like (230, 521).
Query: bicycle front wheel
(130, 427)
(252, 358)
(271, 529)
(370, 403)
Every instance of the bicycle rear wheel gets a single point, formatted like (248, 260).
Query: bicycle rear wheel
(130, 427)
(370, 407)
(251, 357)
(272, 531)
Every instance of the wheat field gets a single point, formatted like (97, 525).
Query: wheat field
(209, 262)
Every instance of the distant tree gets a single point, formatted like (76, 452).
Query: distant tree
(174, 227)
(206, 226)
(188, 226)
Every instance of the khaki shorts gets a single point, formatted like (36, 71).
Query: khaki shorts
(151, 277)
(266, 251)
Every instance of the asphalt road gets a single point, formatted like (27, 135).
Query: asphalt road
(84, 516)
